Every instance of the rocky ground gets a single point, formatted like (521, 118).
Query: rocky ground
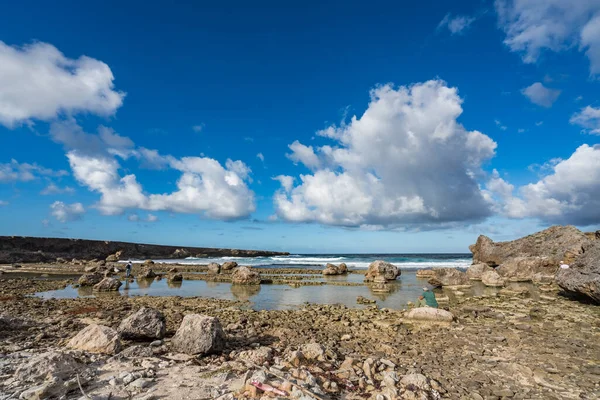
(505, 346)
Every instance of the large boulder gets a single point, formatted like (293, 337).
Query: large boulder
(199, 334)
(430, 314)
(382, 270)
(522, 269)
(114, 257)
(108, 285)
(475, 271)
(245, 276)
(448, 277)
(147, 274)
(493, 279)
(228, 266)
(146, 323)
(96, 339)
(582, 278)
(176, 277)
(425, 273)
(559, 243)
(90, 279)
(214, 269)
(331, 269)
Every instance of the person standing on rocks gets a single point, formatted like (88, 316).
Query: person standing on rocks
(128, 270)
(430, 298)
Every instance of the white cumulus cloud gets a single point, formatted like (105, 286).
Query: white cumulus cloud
(204, 187)
(589, 119)
(67, 212)
(532, 26)
(405, 161)
(569, 193)
(39, 82)
(539, 94)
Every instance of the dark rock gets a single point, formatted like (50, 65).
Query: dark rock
(582, 278)
(90, 279)
(214, 269)
(229, 265)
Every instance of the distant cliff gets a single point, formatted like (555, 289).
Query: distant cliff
(18, 249)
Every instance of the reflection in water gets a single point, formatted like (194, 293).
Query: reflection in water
(174, 284)
(383, 291)
(244, 292)
(144, 283)
(270, 297)
(85, 291)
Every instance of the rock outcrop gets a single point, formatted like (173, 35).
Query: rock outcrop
(108, 285)
(522, 269)
(176, 277)
(90, 279)
(228, 266)
(245, 276)
(430, 314)
(18, 249)
(475, 271)
(144, 324)
(147, 274)
(582, 278)
(214, 269)
(381, 271)
(199, 334)
(332, 269)
(96, 339)
(558, 243)
(448, 277)
(492, 279)
(425, 273)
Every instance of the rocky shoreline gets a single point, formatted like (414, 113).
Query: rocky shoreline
(17, 249)
(505, 345)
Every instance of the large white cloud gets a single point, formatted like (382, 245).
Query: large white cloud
(405, 161)
(568, 194)
(532, 26)
(205, 186)
(38, 82)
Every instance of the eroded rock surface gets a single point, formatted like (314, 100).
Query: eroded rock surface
(381, 271)
(199, 334)
(582, 278)
(96, 339)
(144, 324)
(245, 276)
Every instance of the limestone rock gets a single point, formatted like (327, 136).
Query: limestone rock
(229, 265)
(522, 269)
(382, 269)
(543, 279)
(475, 271)
(331, 269)
(214, 268)
(245, 276)
(583, 276)
(108, 285)
(114, 257)
(52, 363)
(90, 279)
(96, 339)
(430, 314)
(448, 277)
(177, 277)
(257, 356)
(137, 351)
(199, 334)
(148, 262)
(425, 273)
(147, 274)
(146, 323)
(493, 279)
(364, 300)
(313, 352)
(559, 243)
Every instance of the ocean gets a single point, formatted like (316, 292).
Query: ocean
(356, 261)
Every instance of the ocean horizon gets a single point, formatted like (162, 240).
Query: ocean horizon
(354, 261)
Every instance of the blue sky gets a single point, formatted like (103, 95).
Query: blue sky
(117, 122)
